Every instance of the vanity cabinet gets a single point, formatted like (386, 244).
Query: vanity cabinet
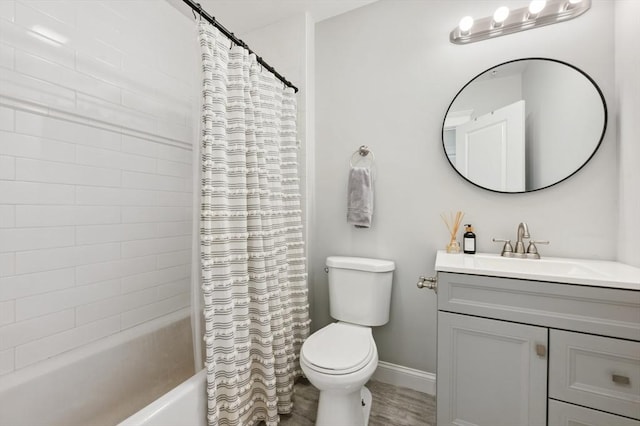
(522, 352)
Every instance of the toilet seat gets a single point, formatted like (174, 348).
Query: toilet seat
(338, 349)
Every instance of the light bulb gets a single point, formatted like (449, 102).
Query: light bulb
(465, 24)
(536, 6)
(501, 14)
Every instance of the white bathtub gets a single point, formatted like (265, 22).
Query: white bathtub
(106, 381)
(185, 405)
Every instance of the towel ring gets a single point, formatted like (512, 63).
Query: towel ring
(363, 151)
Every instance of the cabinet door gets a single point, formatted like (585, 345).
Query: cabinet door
(490, 373)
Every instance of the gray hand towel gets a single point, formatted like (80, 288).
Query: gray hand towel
(360, 197)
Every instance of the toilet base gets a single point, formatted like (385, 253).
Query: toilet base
(367, 400)
(338, 408)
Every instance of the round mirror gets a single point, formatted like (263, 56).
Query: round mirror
(524, 125)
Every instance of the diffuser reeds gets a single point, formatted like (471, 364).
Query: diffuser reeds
(453, 225)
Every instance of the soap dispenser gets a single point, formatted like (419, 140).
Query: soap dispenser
(469, 240)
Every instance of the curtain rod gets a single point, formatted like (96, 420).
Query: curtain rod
(196, 7)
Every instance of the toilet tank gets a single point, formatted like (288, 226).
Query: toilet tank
(360, 289)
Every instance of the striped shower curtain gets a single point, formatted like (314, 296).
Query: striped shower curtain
(253, 265)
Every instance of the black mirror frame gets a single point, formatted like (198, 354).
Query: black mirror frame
(604, 125)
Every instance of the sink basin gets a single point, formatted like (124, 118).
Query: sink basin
(533, 266)
(554, 269)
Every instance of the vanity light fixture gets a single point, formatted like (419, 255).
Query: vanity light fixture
(504, 21)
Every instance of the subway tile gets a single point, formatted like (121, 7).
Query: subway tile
(64, 76)
(14, 192)
(6, 120)
(154, 310)
(65, 215)
(86, 274)
(172, 198)
(7, 312)
(109, 233)
(116, 160)
(174, 288)
(20, 86)
(137, 180)
(114, 306)
(7, 54)
(173, 168)
(67, 131)
(174, 258)
(139, 146)
(178, 132)
(18, 286)
(61, 11)
(6, 357)
(165, 109)
(7, 10)
(25, 331)
(173, 229)
(174, 153)
(7, 264)
(114, 196)
(94, 18)
(114, 114)
(42, 304)
(47, 259)
(44, 24)
(153, 278)
(19, 239)
(45, 171)
(47, 347)
(7, 216)
(24, 39)
(155, 246)
(35, 147)
(7, 167)
(136, 214)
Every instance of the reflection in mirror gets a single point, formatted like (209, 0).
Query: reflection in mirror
(524, 125)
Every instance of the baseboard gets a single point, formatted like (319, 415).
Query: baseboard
(398, 375)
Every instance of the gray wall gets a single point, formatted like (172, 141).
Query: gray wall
(385, 75)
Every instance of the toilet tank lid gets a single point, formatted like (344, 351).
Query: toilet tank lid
(360, 263)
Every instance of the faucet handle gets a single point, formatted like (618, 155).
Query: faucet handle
(533, 250)
(507, 249)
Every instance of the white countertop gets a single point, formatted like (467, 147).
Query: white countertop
(599, 273)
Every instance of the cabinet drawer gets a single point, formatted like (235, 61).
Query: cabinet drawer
(563, 414)
(595, 371)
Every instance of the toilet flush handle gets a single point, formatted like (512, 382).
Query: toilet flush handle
(431, 283)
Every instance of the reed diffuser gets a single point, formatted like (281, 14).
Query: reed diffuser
(453, 225)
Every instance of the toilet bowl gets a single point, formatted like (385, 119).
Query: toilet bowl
(341, 357)
(338, 360)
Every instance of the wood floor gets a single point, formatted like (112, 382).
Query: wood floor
(392, 406)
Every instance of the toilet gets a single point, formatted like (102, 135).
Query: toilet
(340, 358)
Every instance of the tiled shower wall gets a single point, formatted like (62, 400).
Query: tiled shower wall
(97, 117)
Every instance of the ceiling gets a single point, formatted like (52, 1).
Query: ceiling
(243, 16)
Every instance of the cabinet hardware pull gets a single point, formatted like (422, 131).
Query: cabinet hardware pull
(541, 350)
(620, 380)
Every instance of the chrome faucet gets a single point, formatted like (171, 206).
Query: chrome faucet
(523, 232)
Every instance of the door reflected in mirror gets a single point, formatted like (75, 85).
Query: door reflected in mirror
(524, 125)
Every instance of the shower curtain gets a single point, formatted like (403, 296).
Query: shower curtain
(252, 251)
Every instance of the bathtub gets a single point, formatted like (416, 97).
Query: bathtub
(184, 405)
(104, 382)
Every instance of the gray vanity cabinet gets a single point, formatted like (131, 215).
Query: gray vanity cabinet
(518, 352)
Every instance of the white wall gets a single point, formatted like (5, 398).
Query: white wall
(96, 108)
(385, 76)
(627, 59)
